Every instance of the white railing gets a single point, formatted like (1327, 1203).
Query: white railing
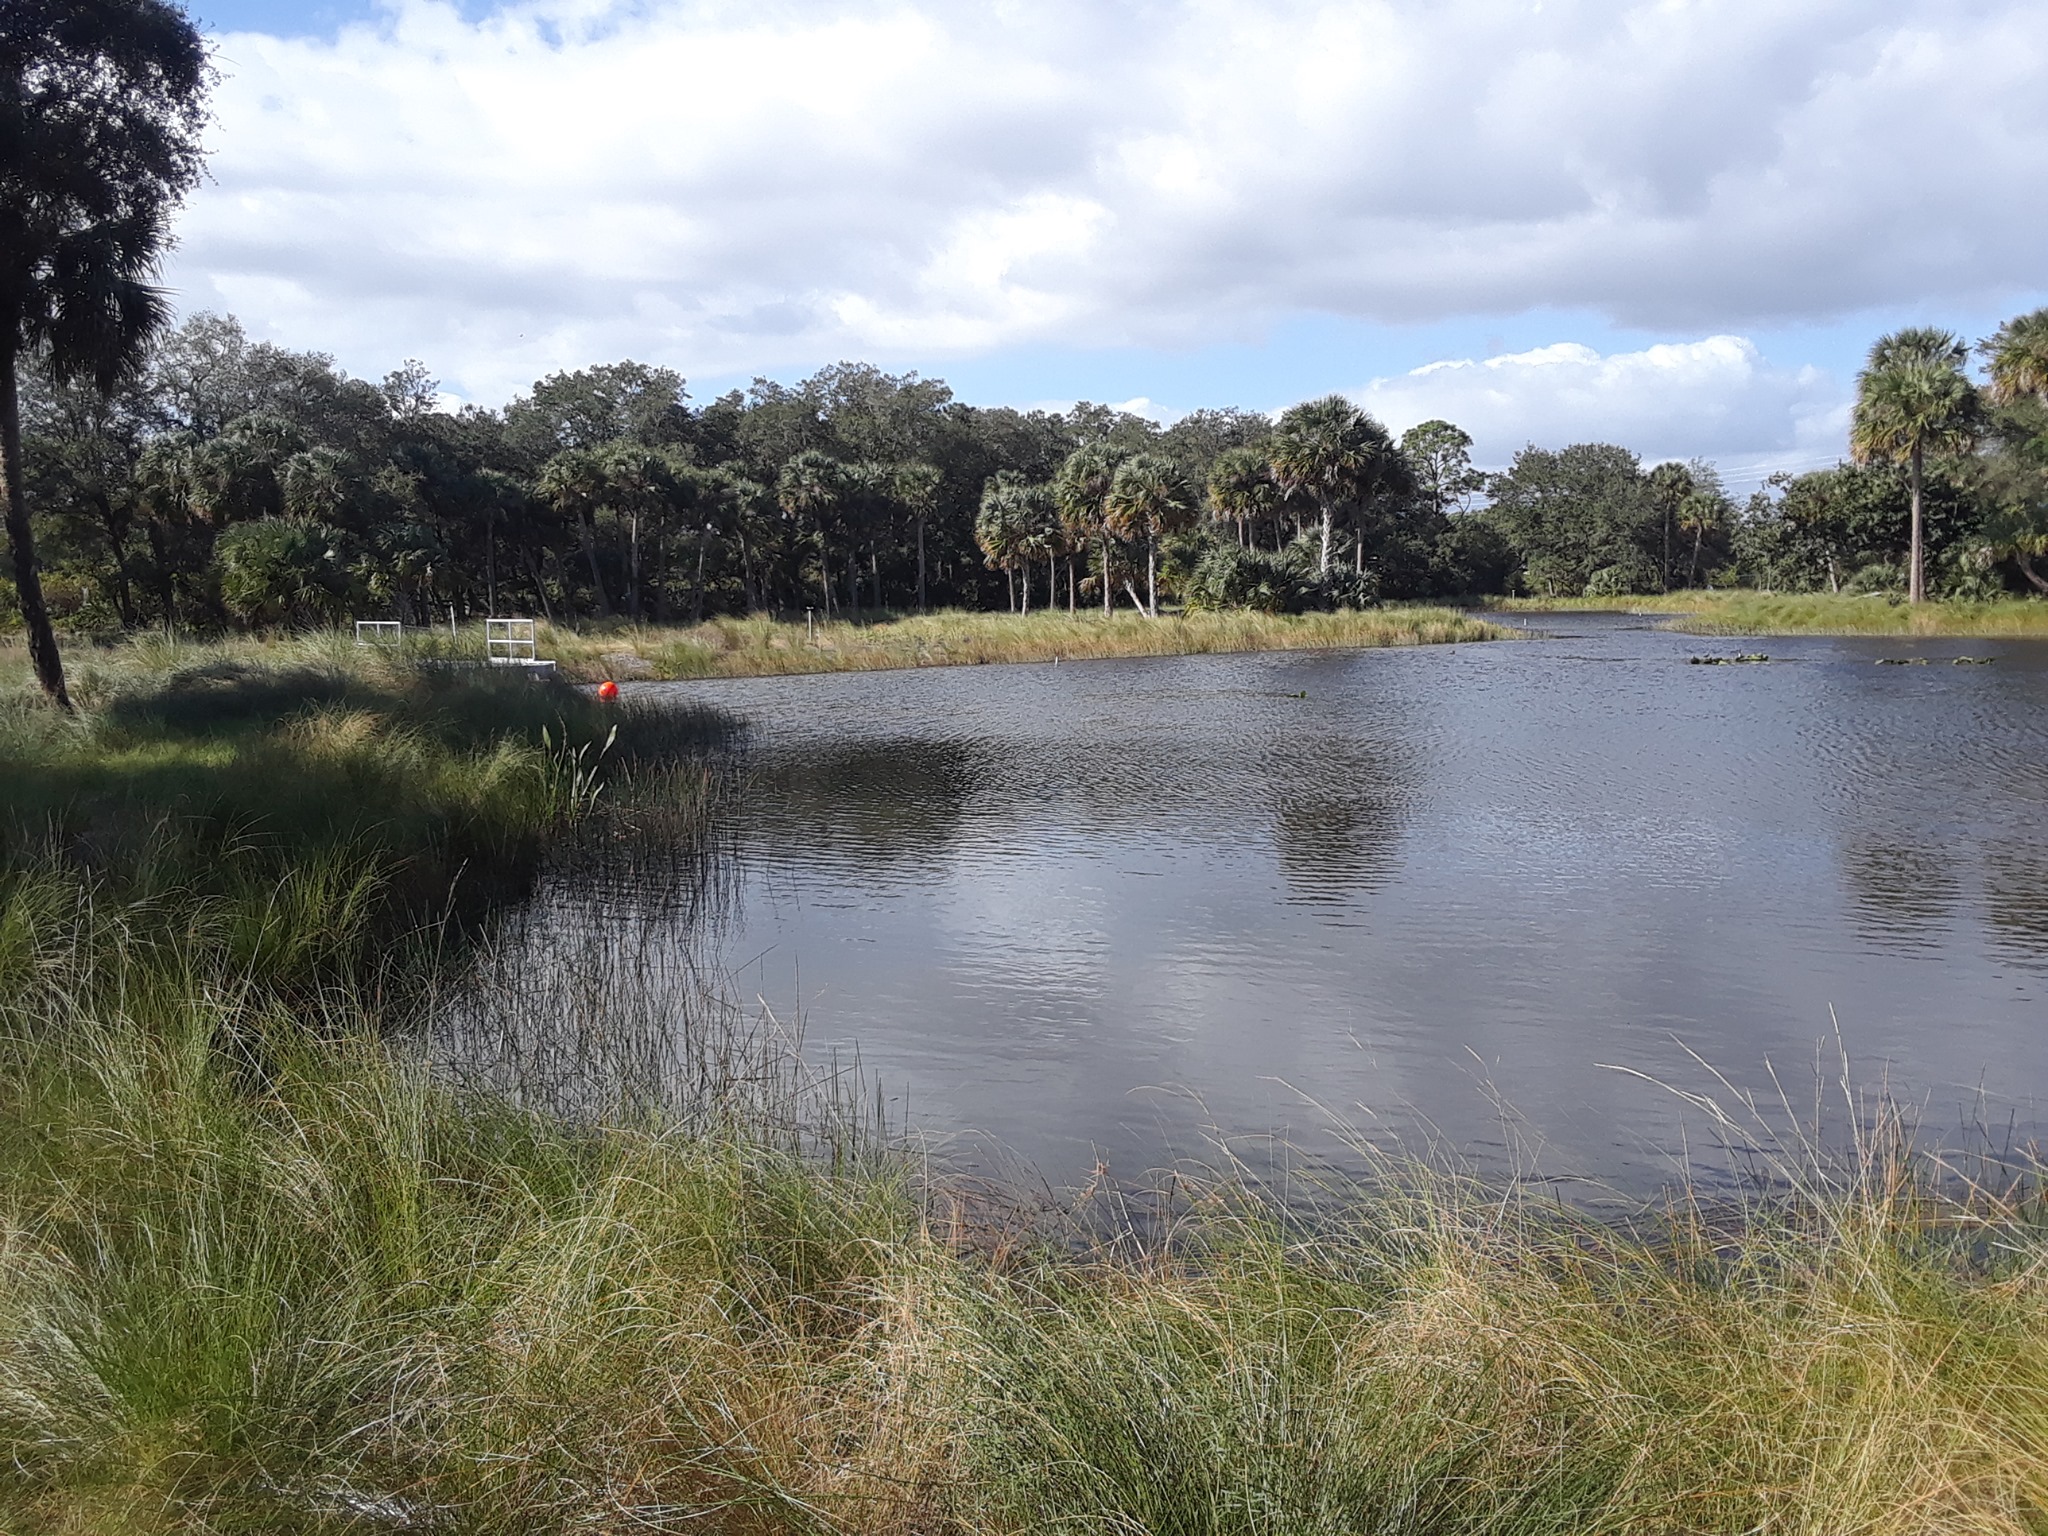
(509, 642)
(379, 632)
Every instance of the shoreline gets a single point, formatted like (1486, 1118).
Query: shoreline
(1746, 612)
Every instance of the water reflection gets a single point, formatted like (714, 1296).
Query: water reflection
(1098, 911)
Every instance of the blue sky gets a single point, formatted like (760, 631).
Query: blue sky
(1676, 224)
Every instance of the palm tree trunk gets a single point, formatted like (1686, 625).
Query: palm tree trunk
(1151, 578)
(2026, 565)
(1027, 585)
(1329, 527)
(28, 580)
(920, 565)
(697, 590)
(1070, 586)
(1108, 593)
(1916, 581)
(1010, 576)
(1692, 575)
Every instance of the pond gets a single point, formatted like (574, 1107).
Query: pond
(1100, 914)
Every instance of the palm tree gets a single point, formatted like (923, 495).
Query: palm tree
(1913, 398)
(814, 489)
(573, 482)
(1332, 452)
(1003, 530)
(2016, 356)
(1081, 488)
(1148, 499)
(1242, 491)
(917, 488)
(101, 109)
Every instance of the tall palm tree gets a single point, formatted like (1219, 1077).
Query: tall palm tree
(2016, 356)
(1913, 398)
(1003, 530)
(1081, 489)
(101, 109)
(1332, 452)
(573, 482)
(1149, 499)
(814, 488)
(1242, 490)
(917, 489)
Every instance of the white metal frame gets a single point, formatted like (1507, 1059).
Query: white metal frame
(379, 632)
(509, 642)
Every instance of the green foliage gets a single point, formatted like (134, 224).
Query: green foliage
(284, 572)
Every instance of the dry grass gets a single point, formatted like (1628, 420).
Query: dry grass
(1811, 613)
(761, 647)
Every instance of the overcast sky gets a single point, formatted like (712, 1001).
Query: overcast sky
(1673, 225)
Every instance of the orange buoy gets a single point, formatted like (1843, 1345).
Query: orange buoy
(607, 690)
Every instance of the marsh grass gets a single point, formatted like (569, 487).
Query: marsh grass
(759, 647)
(1811, 613)
(255, 1277)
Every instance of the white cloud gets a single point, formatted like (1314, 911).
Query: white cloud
(1718, 398)
(728, 187)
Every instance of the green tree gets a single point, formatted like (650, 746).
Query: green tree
(1912, 399)
(1081, 491)
(1149, 499)
(101, 108)
(1003, 530)
(2016, 357)
(917, 488)
(814, 490)
(1242, 491)
(1440, 455)
(573, 483)
(1333, 453)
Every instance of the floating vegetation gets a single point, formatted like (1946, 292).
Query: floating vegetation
(1729, 661)
(1973, 661)
(1902, 661)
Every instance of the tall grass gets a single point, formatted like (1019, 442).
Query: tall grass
(256, 1278)
(1813, 613)
(765, 647)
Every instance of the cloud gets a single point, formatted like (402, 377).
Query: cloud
(1718, 398)
(729, 187)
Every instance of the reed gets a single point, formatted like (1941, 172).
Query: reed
(759, 647)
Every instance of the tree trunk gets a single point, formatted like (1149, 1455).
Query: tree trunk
(583, 533)
(1329, 527)
(633, 566)
(1151, 578)
(28, 580)
(1108, 592)
(920, 565)
(1137, 602)
(1916, 581)
(825, 574)
(2026, 564)
(697, 591)
(1692, 575)
(540, 588)
(1027, 586)
(1358, 553)
(747, 590)
(1010, 576)
(1070, 586)
(116, 525)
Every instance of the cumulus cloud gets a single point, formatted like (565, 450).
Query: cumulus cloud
(728, 187)
(1718, 398)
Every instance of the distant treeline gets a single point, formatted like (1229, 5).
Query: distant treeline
(237, 484)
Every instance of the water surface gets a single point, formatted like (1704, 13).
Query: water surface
(1095, 910)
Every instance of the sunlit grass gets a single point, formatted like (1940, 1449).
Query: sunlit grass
(1744, 612)
(765, 647)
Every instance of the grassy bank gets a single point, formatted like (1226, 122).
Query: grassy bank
(262, 1269)
(1810, 613)
(765, 647)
